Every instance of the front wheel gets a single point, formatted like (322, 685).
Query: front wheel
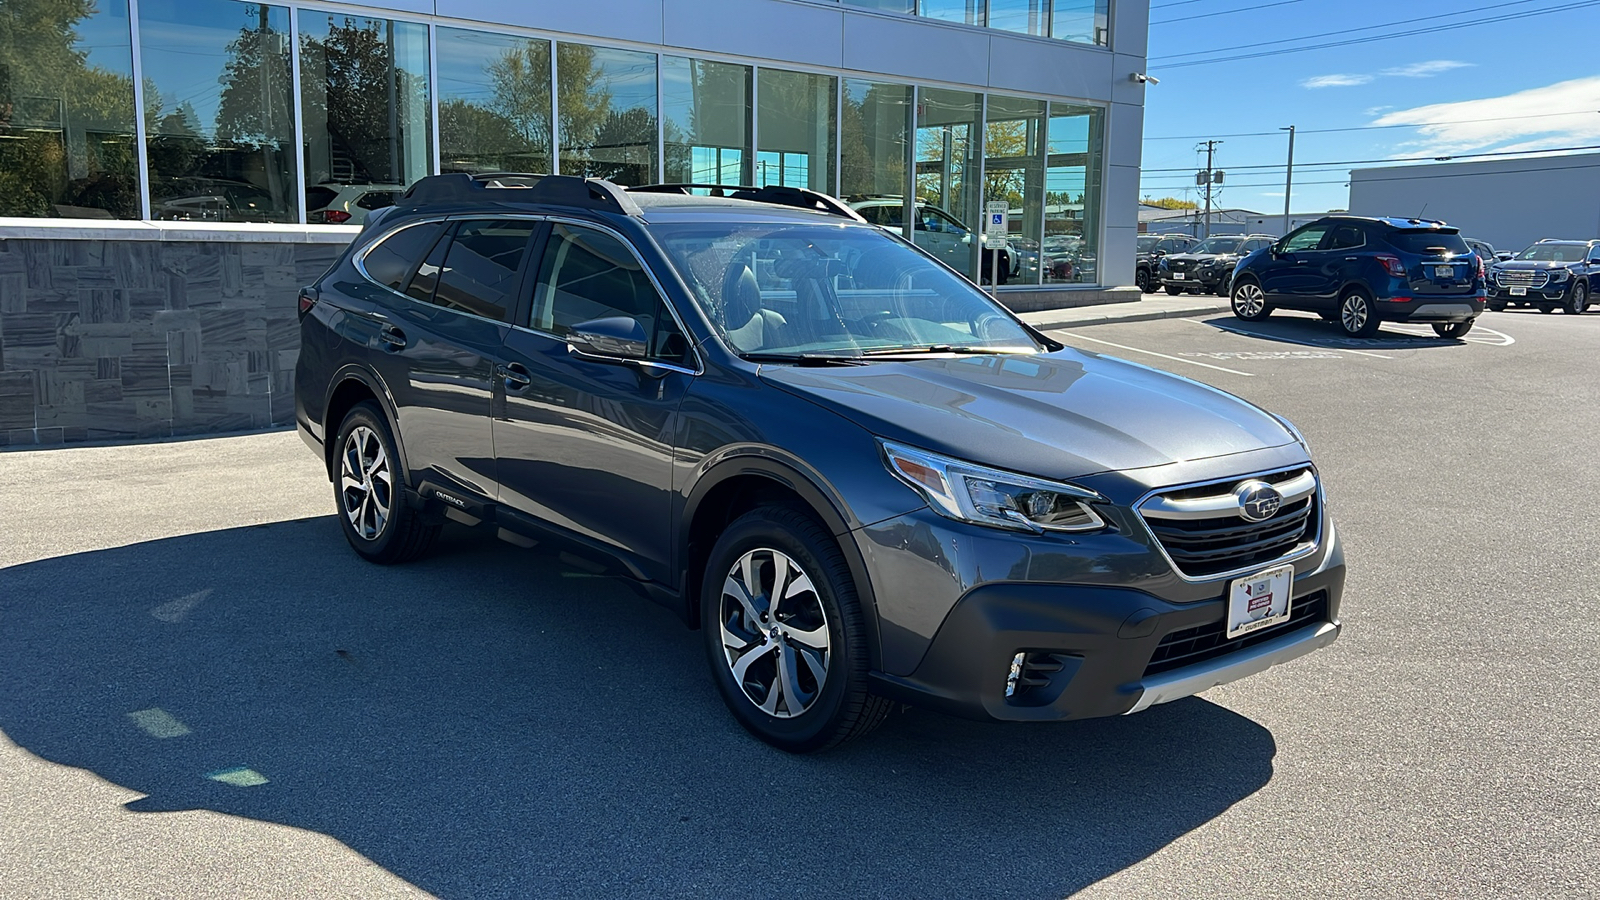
(1452, 329)
(784, 632)
(1249, 303)
(1577, 299)
(1142, 279)
(367, 486)
(1356, 315)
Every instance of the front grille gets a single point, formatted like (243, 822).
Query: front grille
(1178, 265)
(1226, 541)
(1204, 642)
(1522, 278)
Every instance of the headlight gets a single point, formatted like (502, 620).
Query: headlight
(983, 496)
(1559, 274)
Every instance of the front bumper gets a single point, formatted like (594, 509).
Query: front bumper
(1098, 648)
(1550, 293)
(1208, 279)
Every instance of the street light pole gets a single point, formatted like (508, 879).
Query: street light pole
(1288, 179)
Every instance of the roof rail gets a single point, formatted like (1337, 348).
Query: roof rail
(781, 195)
(521, 187)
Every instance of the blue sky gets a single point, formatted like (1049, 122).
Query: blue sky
(1531, 82)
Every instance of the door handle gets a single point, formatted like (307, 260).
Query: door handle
(516, 376)
(392, 338)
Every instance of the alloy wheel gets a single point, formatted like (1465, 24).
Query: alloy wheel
(774, 633)
(1353, 313)
(1248, 300)
(1580, 300)
(366, 484)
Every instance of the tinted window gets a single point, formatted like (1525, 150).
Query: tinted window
(480, 270)
(1552, 252)
(1430, 242)
(588, 274)
(391, 260)
(376, 200)
(1306, 238)
(1346, 237)
(318, 197)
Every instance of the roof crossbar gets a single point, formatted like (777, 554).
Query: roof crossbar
(521, 187)
(782, 195)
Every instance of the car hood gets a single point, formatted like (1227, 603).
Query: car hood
(1202, 257)
(1535, 264)
(1060, 415)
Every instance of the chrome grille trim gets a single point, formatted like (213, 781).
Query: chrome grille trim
(1522, 278)
(1164, 510)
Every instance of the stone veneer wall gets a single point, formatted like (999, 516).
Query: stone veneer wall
(139, 330)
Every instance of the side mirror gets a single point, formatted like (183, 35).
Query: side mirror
(615, 337)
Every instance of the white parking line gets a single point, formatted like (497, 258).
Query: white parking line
(1153, 353)
(1478, 335)
(1274, 337)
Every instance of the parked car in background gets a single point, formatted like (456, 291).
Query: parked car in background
(199, 199)
(1208, 267)
(861, 478)
(1359, 271)
(1487, 252)
(1151, 247)
(939, 233)
(1549, 275)
(348, 204)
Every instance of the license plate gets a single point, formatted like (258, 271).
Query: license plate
(1177, 276)
(1444, 272)
(1259, 601)
(1519, 292)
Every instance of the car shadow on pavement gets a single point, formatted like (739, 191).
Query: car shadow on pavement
(490, 723)
(1311, 331)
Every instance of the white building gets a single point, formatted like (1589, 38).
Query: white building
(1508, 202)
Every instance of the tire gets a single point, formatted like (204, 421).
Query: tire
(1141, 278)
(1497, 306)
(1577, 299)
(1452, 329)
(1357, 316)
(1173, 290)
(372, 512)
(1547, 308)
(803, 713)
(1249, 303)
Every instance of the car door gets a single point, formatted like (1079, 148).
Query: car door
(436, 351)
(1286, 277)
(585, 441)
(1337, 262)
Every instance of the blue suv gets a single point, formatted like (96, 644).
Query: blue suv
(1360, 271)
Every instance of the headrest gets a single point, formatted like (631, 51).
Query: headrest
(741, 296)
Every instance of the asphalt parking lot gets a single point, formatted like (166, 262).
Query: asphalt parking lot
(204, 693)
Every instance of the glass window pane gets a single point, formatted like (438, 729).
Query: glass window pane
(796, 130)
(1013, 171)
(392, 259)
(481, 267)
(897, 6)
(877, 128)
(607, 102)
(969, 12)
(706, 116)
(587, 274)
(364, 85)
(66, 111)
(217, 110)
(1024, 16)
(494, 103)
(1083, 21)
(946, 175)
(1072, 194)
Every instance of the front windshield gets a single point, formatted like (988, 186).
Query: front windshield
(783, 289)
(1218, 245)
(1555, 252)
(1146, 244)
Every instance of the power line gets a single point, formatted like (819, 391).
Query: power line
(1159, 187)
(1202, 137)
(1445, 158)
(1366, 40)
(1224, 12)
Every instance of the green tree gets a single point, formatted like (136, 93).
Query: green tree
(1171, 203)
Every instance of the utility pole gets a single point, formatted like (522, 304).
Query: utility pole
(1208, 178)
(1288, 179)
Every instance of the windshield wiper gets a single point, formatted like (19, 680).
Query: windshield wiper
(808, 359)
(956, 349)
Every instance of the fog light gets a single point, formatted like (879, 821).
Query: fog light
(1016, 673)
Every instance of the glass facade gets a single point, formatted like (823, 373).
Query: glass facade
(1078, 21)
(384, 102)
(68, 144)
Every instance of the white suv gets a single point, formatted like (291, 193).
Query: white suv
(935, 231)
(331, 203)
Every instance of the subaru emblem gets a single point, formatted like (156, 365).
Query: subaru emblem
(1258, 501)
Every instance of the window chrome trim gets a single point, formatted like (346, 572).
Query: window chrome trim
(1316, 543)
(359, 260)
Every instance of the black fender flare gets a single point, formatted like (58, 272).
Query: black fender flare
(370, 380)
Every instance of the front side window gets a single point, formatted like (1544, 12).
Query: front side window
(1307, 238)
(788, 289)
(587, 274)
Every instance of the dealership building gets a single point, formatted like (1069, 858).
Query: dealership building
(171, 171)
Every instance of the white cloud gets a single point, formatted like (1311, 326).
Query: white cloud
(1377, 110)
(1559, 115)
(1323, 81)
(1426, 69)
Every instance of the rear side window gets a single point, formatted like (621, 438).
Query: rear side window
(376, 200)
(1430, 242)
(390, 260)
(481, 268)
(1346, 237)
(318, 197)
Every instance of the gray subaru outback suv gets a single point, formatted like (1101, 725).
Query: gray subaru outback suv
(862, 479)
